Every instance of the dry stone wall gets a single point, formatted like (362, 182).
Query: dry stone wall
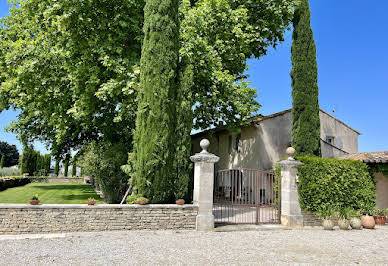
(50, 218)
(311, 219)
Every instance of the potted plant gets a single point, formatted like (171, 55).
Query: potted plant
(91, 201)
(326, 214)
(180, 201)
(142, 201)
(380, 216)
(367, 219)
(355, 221)
(131, 199)
(343, 221)
(35, 200)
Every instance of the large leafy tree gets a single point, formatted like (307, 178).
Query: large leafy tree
(304, 74)
(10, 153)
(69, 66)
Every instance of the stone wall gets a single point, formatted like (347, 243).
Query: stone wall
(311, 219)
(52, 218)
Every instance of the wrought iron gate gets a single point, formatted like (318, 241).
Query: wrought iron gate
(246, 196)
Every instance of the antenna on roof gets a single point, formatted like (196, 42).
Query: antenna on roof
(334, 109)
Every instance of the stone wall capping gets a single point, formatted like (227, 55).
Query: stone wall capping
(98, 206)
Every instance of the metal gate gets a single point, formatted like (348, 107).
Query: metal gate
(246, 196)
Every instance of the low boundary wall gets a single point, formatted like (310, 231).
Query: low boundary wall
(53, 218)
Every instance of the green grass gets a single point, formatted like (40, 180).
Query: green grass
(50, 193)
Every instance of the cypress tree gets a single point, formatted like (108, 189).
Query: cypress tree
(66, 165)
(304, 74)
(57, 161)
(74, 169)
(155, 133)
(2, 161)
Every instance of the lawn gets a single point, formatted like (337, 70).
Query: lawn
(50, 193)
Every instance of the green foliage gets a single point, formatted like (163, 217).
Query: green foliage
(132, 199)
(379, 168)
(33, 163)
(74, 169)
(66, 165)
(14, 181)
(9, 171)
(77, 61)
(103, 161)
(304, 75)
(326, 212)
(10, 153)
(380, 212)
(334, 184)
(155, 133)
(2, 161)
(57, 162)
(345, 212)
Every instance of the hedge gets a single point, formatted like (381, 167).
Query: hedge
(334, 184)
(15, 181)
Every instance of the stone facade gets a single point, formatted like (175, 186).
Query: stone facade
(24, 219)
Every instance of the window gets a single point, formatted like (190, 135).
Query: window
(238, 137)
(330, 140)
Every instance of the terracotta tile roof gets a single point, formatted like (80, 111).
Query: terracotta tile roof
(369, 157)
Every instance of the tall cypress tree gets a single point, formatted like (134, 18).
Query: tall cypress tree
(155, 133)
(57, 161)
(2, 161)
(304, 74)
(66, 165)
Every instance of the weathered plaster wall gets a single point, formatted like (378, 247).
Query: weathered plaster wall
(263, 144)
(381, 190)
(331, 126)
(22, 219)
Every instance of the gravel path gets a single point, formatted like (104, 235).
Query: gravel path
(313, 246)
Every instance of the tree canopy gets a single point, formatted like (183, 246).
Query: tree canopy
(72, 67)
(10, 152)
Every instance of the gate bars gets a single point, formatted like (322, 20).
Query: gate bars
(246, 196)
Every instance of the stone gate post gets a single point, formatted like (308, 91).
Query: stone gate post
(203, 186)
(290, 208)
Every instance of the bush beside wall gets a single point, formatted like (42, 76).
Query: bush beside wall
(15, 181)
(334, 183)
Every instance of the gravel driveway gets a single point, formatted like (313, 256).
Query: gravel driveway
(313, 246)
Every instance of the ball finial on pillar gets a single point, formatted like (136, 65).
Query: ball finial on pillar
(290, 152)
(205, 143)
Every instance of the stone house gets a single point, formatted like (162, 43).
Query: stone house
(379, 162)
(264, 140)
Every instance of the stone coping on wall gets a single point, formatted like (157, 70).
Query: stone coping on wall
(98, 206)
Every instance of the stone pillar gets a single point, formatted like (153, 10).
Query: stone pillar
(203, 186)
(290, 208)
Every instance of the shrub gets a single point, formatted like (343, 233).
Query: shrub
(9, 171)
(14, 181)
(132, 199)
(335, 184)
(103, 161)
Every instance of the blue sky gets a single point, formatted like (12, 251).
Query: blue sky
(352, 59)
